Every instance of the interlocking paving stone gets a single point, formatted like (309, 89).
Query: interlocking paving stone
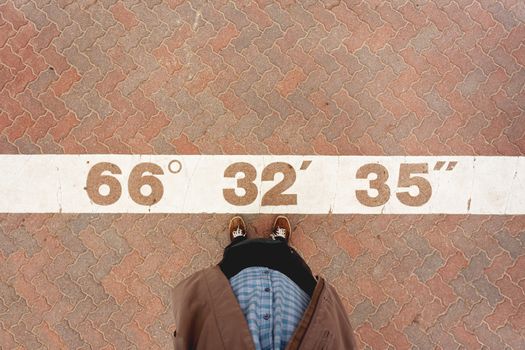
(262, 77)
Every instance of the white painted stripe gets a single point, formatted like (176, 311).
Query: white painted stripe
(56, 183)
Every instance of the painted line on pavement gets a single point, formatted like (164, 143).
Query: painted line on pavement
(110, 183)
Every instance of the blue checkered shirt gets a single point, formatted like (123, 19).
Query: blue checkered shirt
(272, 304)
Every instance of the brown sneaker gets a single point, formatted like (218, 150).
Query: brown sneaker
(237, 228)
(282, 229)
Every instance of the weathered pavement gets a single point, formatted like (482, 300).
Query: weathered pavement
(343, 77)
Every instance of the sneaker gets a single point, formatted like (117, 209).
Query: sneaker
(237, 228)
(281, 229)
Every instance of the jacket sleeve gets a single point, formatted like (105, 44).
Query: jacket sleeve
(343, 337)
(177, 307)
(191, 318)
(325, 324)
(195, 320)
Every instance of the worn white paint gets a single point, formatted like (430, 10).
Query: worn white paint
(55, 183)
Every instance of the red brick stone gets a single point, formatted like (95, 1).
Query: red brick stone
(517, 271)
(518, 319)
(110, 81)
(409, 314)
(20, 81)
(49, 337)
(25, 289)
(93, 242)
(256, 15)
(12, 15)
(348, 242)
(139, 145)
(143, 103)
(323, 147)
(114, 288)
(122, 59)
(452, 267)
(358, 37)
(380, 37)
(33, 60)
(371, 289)
(88, 331)
(63, 128)
(166, 59)
(230, 146)
(124, 16)
(179, 37)
(155, 125)
(41, 127)
(200, 82)
(116, 145)
(137, 335)
(505, 147)
(478, 14)
(442, 290)
(235, 104)
(498, 266)
(46, 35)
(66, 80)
(55, 59)
(223, 37)
(8, 31)
(411, 14)
(501, 314)
(371, 337)
(86, 127)
(127, 266)
(19, 127)
(184, 145)
(22, 37)
(394, 337)
(290, 81)
(71, 145)
(276, 145)
(431, 312)
(464, 337)
(519, 55)
(48, 242)
(368, 146)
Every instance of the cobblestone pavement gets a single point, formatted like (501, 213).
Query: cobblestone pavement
(339, 77)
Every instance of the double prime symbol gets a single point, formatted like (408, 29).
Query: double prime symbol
(409, 175)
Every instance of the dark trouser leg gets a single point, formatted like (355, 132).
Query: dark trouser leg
(274, 254)
(236, 241)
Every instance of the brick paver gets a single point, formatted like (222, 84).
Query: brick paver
(333, 77)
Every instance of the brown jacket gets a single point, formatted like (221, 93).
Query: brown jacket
(208, 316)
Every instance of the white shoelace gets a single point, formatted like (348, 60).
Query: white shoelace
(237, 232)
(279, 232)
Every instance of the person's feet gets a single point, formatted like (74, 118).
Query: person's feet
(237, 229)
(281, 229)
